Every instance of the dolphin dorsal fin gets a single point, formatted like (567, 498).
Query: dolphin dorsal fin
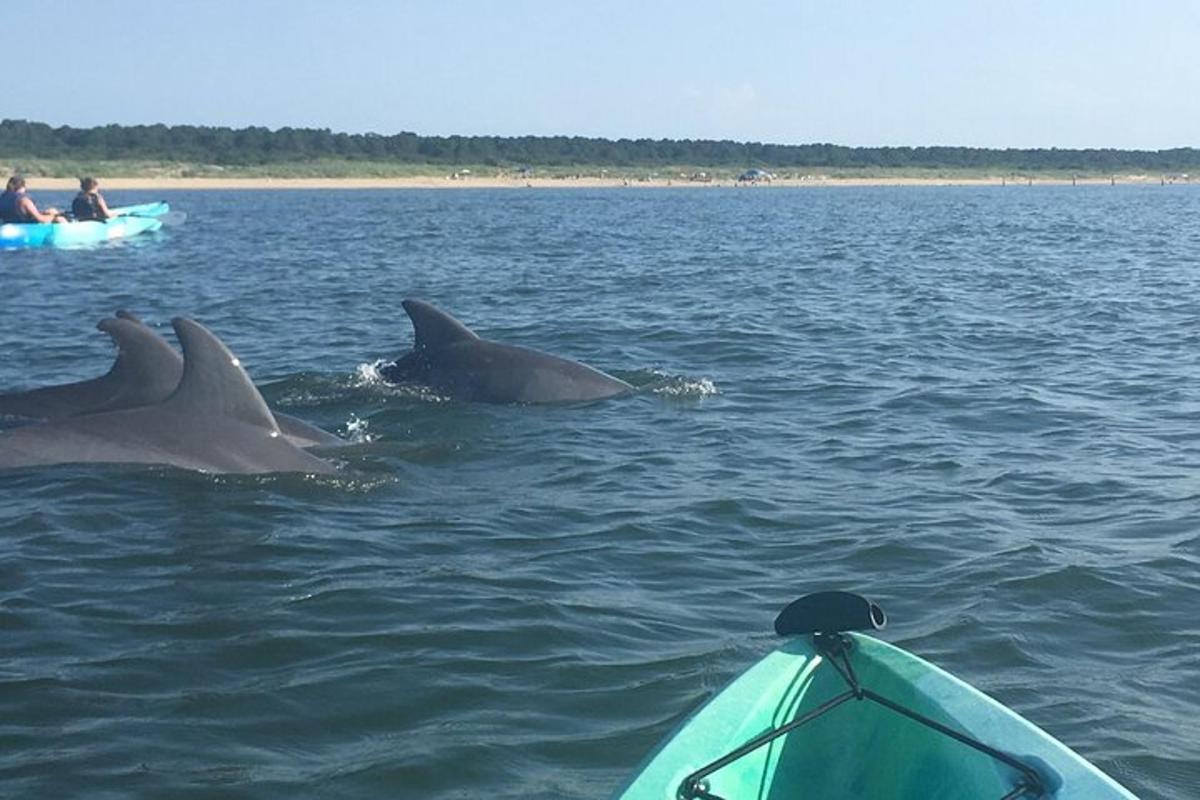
(433, 327)
(213, 379)
(147, 368)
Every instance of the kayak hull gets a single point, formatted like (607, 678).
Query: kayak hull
(78, 234)
(33, 234)
(861, 749)
(130, 221)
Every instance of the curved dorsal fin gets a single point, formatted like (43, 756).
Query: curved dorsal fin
(147, 369)
(213, 379)
(433, 327)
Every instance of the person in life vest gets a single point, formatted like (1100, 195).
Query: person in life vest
(17, 206)
(89, 203)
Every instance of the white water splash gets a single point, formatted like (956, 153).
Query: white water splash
(369, 374)
(356, 430)
(682, 386)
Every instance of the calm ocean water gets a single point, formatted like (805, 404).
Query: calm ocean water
(979, 406)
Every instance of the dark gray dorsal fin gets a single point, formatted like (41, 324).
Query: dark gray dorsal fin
(213, 379)
(123, 314)
(433, 327)
(147, 369)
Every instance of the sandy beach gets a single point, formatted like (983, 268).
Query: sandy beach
(472, 182)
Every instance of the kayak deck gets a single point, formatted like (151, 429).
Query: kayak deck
(861, 749)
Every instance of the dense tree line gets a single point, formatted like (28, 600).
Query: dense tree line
(260, 146)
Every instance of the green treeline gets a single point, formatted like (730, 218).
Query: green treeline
(247, 147)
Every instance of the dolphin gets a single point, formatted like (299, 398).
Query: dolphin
(214, 421)
(451, 359)
(146, 371)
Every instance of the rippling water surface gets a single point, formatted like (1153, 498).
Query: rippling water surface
(978, 406)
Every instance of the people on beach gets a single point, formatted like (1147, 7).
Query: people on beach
(17, 206)
(89, 203)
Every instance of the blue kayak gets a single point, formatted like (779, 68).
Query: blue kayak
(844, 715)
(129, 221)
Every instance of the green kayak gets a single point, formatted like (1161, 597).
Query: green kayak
(844, 715)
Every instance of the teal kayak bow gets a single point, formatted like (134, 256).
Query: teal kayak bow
(833, 714)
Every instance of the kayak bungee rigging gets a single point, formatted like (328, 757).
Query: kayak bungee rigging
(913, 730)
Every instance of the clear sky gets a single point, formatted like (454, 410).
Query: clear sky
(1055, 73)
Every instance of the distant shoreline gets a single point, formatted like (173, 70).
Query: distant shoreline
(468, 182)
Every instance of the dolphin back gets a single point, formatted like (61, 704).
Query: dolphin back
(304, 434)
(214, 421)
(490, 372)
(53, 402)
(451, 359)
(147, 370)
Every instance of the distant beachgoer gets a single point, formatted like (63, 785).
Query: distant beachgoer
(89, 203)
(17, 206)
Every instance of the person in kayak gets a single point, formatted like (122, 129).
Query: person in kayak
(89, 203)
(17, 206)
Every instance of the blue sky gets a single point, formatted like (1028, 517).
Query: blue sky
(1063, 73)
